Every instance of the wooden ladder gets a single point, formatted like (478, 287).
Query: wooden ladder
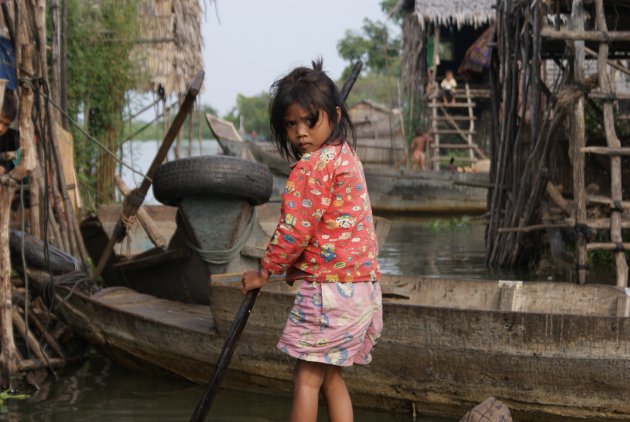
(616, 222)
(442, 122)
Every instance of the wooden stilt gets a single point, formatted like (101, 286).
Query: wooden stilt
(7, 354)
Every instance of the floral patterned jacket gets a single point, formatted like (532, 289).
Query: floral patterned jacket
(326, 229)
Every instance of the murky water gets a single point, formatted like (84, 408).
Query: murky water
(100, 390)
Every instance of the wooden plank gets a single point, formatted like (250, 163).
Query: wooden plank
(452, 131)
(457, 146)
(455, 105)
(464, 118)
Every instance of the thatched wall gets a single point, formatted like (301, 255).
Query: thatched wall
(171, 53)
(456, 12)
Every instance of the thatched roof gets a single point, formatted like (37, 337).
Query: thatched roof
(456, 12)
(172, 54)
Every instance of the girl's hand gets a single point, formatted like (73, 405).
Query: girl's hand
(254, 279)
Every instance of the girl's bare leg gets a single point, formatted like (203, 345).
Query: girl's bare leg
(308, 378)
(337, 397)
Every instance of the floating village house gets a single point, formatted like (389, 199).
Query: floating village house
(440, 36)
(560, 141)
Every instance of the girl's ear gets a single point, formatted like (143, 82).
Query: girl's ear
(338, 110)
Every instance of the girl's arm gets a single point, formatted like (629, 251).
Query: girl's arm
(304, 202)
(254, 279)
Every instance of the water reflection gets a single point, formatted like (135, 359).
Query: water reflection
(100, 390)
(444, 246)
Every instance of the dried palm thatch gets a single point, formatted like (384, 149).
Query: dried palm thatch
(456, 12)
(172, 54)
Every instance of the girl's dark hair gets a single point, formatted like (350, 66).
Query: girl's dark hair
(9, 105)
(314, 91)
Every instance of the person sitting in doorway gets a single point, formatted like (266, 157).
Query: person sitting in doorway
(10, 151)
(448, 86)
(9, 137)
(417, 147)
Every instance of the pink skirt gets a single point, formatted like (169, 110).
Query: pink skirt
(334, 323)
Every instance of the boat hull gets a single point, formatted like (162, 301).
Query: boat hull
(442, 360)
(427, 192)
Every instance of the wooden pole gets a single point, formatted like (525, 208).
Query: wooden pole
(55, 57)
(601, 36)
(145, 219)
(136, 197)
(8, 353)
(578, 135)
(613, 141)
(8, 359)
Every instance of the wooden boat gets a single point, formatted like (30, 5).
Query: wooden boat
(391, 189)
(548, 350)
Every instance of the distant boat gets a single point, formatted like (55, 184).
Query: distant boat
(392, 188)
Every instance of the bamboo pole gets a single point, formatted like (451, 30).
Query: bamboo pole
(613, 142)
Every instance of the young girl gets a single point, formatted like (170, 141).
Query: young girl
(325, 240)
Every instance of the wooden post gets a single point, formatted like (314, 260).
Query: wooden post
(578, 132)
(7, 354)
(613, 141)
(55, 57)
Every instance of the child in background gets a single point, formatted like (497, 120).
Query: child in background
(418, 146)
(9, 138)
(325, 240)
(448, 85)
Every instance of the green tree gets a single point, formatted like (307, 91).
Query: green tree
(374, 46)
(101, 70)
(254, 113)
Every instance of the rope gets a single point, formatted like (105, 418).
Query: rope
(223, 256)
(94, 140)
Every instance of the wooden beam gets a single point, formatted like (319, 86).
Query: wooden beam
(598, 36)
(612, 151)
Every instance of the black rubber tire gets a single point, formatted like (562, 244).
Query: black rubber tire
(212, 174)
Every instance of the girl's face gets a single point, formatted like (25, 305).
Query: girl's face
(306, 132)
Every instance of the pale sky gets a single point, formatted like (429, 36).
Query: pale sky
(258, 41)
